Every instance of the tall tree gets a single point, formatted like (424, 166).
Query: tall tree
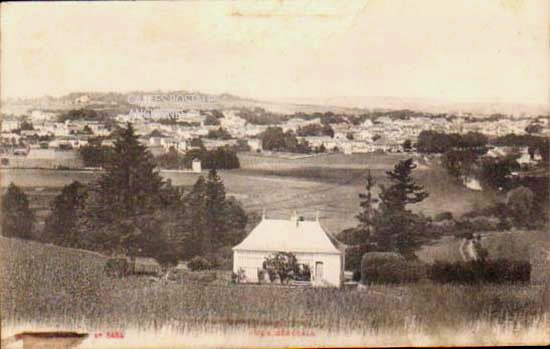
(17, 217)
(369, 211)
(216, 220)
(61, 224)
(358, 238)
(404, 190)
(129, 191)
(407, 145)
(131, 185)
(397, 228)
(195, 218)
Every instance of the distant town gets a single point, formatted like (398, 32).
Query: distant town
(49, 132)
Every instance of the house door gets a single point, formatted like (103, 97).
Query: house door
(318, 271)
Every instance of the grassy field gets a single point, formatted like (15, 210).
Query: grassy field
(52, 287)
(327, 183)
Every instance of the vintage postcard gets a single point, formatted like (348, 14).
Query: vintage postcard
(274, 173)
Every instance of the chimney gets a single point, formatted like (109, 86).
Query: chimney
(263, 214)
(317, 216)
(294, 217)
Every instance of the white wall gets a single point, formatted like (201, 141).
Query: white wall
(250, 261)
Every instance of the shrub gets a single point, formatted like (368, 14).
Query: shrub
(389, 267)
(465, 235)
(443, 216)
(480, 223)
(221, 259)
(485, 223)
(495, 271)
(261, 275)
(354, 255)
(445, 226)
(116, 267)
(199, 263)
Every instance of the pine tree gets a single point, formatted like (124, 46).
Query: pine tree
(130, 190)
(396, 228)
(17, 217)
(131, 186)
(195, 217)
(404, 190)
(367, 202)
(216, 220)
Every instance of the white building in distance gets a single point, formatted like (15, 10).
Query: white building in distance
(307, 240)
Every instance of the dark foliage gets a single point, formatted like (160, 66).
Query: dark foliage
(534, 144)
(95, 155)
(220, 133)
(489, 271)
(211, 120)
(283, 264)
(259, 116)
(354, 254)
(198, 263)
(211, 220)
(61, 225)
(443, 216)
(171, 159)
(83, 114)
(495, 171)
(17, 217)
(275, 139)
(389, 268)
(407, 145)
(459, 162)
(220, 158)
(436, 142)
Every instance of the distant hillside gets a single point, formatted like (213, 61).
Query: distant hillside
(426, 105)
(341, 105)
(221, 101)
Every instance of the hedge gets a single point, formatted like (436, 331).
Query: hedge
(198, 263)
(390, 267)
(493, 271)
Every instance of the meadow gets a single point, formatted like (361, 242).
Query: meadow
(52, 287)
(326, 183)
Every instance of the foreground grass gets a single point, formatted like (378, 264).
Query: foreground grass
(477, 333)
(51, 286)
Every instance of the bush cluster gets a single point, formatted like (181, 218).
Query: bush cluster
(392, 268)
(198, 263)
(493, 271)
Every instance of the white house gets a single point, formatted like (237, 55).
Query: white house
(307, 240)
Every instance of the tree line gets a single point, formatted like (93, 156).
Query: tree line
(131, 209)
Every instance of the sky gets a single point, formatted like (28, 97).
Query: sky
(475, 51)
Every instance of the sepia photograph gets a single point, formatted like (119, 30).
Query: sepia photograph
(274, 173)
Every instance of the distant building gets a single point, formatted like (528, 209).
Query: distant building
(307, 240)
(255, 144)
(10, 125)
(82, 99)
(196, 166)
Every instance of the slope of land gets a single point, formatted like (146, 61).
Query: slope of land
(66, 288)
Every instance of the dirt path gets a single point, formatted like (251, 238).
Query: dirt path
(471, 251)
(467, 250)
